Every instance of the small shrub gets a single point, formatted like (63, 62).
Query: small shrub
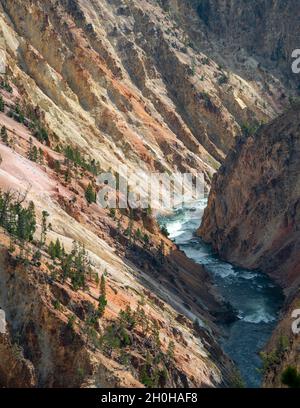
(164, 231)
(90, 194)
(6, 86)
(71, 321)
(290, 377)
(2, 105)
(223, 79)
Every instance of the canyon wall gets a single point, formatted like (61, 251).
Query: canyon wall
(134, 80)
(266, 30)
(253, 220)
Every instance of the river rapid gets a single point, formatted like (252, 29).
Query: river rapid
(255, 297)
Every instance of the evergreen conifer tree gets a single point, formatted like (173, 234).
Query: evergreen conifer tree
(4, 135)
(90, 194)
(2, 105)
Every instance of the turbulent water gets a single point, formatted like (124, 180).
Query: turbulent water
(255, 297)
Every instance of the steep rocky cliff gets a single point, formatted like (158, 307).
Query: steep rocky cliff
(101, 72)
(266, 30)
(94, 298)
(252, 216)
(253, 220)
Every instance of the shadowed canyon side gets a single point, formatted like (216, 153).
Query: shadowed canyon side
(253, 220)
(258, 34)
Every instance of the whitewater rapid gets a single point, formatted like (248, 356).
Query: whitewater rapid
(253, 295)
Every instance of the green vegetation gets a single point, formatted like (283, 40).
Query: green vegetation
(40, 156)
(119, 338)
(205, 61)
(223, 79)
(76, 157)
(57, 305)
(249, 129)
(237, 380)
(71, 321)
(294, 101)
(269, 360)
(112, 213)
(57, 166)
(290, 377)
(75, 265)
(273, 358)
(164, 231)
(56, 250)
(40, 133)
(4, 135)
(35, 125)
(32, 151)
(36, 258)
(102, 298)
(19, 221)
(2, 104)
(17, 114)
(6, 86)
(44, 228)
(146, 239)
(90, 194)
(79, 267)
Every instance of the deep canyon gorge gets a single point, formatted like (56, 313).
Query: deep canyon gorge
(201, 297)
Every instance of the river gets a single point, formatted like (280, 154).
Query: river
(253, 294)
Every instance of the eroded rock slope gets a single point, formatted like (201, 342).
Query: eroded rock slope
(253, 220)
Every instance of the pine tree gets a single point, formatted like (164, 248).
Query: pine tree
(81, 263)
(45, 215)
(19, 114)
(17, 220)
(36, 258)
(66, 266)
(4, 135)
(33, 151)
(26, 223)
(31, 221)
(41, 156)
(5, 206)
(52, 251)
(34, 157)
(90, 194)
(102, 298)
(29, 154)
(57, 166)
(2, 105)
(58, 249)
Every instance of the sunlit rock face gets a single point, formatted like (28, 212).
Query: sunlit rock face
(136, 81)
